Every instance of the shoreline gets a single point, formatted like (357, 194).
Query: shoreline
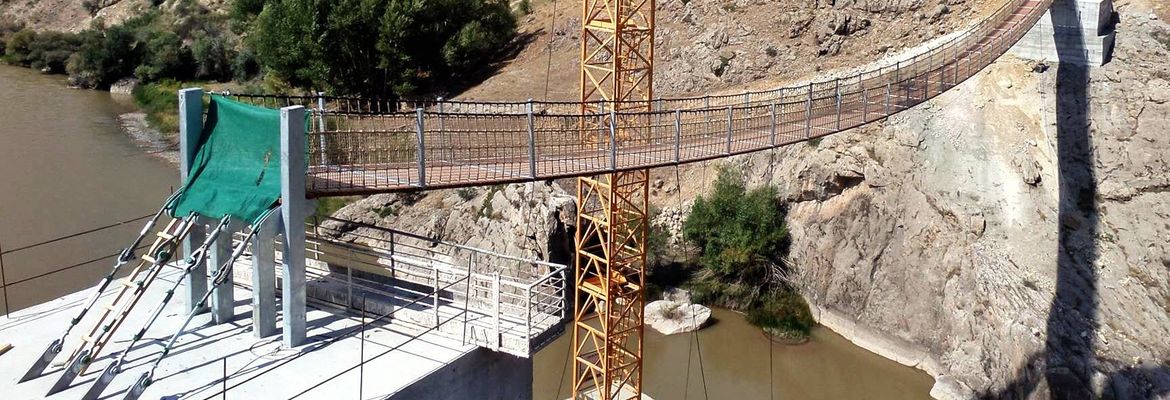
(894, 349)
(145, 137)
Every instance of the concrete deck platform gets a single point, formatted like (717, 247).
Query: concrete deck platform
(255, 368)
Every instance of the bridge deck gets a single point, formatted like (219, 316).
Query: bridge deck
(359, 151)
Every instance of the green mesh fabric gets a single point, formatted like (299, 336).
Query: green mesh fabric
(236, 170)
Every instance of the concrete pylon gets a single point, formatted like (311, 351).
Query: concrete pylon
(1079, 32)
(293, 211)
(190, 130)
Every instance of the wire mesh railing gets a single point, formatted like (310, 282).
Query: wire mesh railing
(503, 303)
(359, 146)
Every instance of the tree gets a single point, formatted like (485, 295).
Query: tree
(165, 57)
(20, 46)
(213, 58)
(104, 57)
(379, 47)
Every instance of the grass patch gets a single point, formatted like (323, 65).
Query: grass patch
(326, 206)
(485, 208)
(467, 193)
(160, 102)
(783, 314)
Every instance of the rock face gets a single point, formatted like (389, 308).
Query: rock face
(1015, 228)
(534, 220)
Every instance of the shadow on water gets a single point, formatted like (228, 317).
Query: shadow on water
(1065, 368)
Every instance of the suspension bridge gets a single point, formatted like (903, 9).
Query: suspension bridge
(250, 172)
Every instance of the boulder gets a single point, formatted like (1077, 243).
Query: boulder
(671, 317)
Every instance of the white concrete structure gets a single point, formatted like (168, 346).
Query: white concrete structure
(399, 365)
(1073, 31)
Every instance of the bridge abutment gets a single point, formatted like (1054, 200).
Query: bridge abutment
(1072, 31)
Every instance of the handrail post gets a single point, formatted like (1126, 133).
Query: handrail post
(531, 142)
(730, 127)
(747, 98)
(435, 295)
(323, 157)
(528, 312)
(837, 82)
(612, 140)
(773, 112)
(677, 136)
(422, 157)
(601, 118)
(808, 113)
(926, 80)
(496, 309)
(887, 99)
(443, 130)
(898, 71)
(864, 104)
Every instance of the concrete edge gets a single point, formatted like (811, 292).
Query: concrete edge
(895, 349)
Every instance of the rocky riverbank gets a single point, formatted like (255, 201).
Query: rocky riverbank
(150, 139)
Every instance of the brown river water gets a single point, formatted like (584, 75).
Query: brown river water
(66, 166)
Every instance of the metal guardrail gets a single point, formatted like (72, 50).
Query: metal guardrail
(364, 149)
(504, 303)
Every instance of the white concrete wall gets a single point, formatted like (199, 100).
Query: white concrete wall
(1072, 31)
(480, 374)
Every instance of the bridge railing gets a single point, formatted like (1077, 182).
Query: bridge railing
(370, 145)
(476, 296)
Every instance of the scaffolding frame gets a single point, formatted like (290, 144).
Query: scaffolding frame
(617, 77)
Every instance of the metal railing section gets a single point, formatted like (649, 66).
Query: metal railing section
(479, 297)
(360, 146)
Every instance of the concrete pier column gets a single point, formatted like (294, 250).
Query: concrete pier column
(222, 299)
(293, 211)
(264, 279)
(1077, 32)
(190, 130)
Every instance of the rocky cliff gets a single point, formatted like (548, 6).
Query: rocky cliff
(77, 15)
(1014, 230)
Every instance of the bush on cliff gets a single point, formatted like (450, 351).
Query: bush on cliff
(741, 238)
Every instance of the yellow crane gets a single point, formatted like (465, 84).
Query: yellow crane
(617, 78)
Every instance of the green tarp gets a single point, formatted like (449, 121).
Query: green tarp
(236, 170)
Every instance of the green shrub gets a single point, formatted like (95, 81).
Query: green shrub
(104, 57)
(739, 233)
(213, 58)
(19, 47)
(165, 57)
(783, 313)
(741, 238)
(245, 66)
(466, 193)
